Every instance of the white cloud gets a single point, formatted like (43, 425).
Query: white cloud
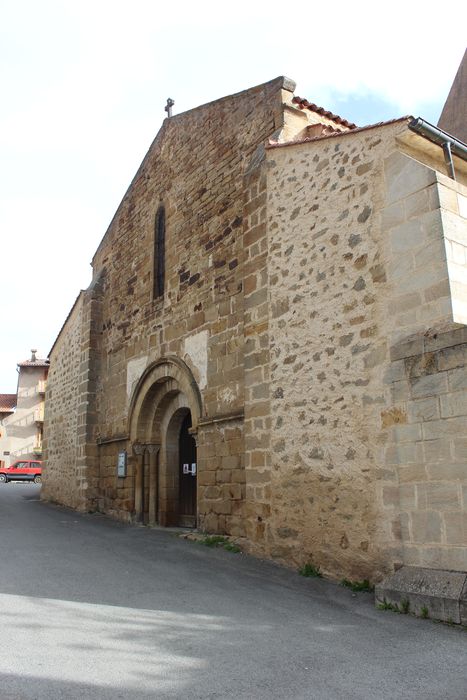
(83, 91)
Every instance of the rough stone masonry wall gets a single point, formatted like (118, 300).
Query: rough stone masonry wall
(115, 496)
(257, 422)
(453, 203)
(326, 328)
(195, 169)
(429, 447)
(420, 239)
(70, 449)
(427, 377)
(340, 293)
(60, 481)
(87, 462)
(222, 478)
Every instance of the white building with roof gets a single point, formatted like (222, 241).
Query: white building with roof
(21, 429)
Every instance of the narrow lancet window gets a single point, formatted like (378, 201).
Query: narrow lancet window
(159, 253)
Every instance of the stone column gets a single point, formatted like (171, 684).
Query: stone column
(138, 449)
(153, 482)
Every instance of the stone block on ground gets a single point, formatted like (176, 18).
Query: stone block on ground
(443, 593)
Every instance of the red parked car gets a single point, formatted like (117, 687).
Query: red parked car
(22, 470)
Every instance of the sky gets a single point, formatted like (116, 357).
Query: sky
(84, 85)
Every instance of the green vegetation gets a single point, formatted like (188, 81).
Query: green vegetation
(388, 606)
(213, 541)
(231, 547)
(405, 606)
(219, 541)
(357, 586)
(310, 570)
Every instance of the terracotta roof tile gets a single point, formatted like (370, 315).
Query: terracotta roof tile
(7, 403)
(34, 363)
(304, 104)
(308, 139)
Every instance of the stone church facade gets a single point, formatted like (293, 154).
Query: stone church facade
(273, 343)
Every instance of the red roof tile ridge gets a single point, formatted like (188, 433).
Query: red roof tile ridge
(304, 104)
(7, 402)
(358, 129)
(34, 363)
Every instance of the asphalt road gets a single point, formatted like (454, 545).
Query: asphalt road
(91, 608)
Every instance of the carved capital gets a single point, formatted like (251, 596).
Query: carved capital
(138, 448)
(194, 434)
(153, 449)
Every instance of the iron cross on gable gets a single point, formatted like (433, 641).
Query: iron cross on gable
(168, 106)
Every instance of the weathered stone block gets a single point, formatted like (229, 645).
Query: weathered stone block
(423, 409)
(442, 592)
(407, 497)
(456, 527)
(446, 471)
(400, 391)
(454, 404)
(421, 365)
(407, 433)
(447, 339)
(390, 496)
(223, 476)
(223, 507)
(395, 372)
(402, 454)
(210, 523)
(238, 476)
(430, 385)
(221, 449)
(460, 448)
(212, 492)
(232, 492)
(407, 348)
(406, 236)
(405, 176)
(444, 428)
(231, 462)
(440, 293)
(457, 379)
(442, 496)
(402, 303)
(400, 267)
(392, 216)
(426, 526)
(421, 201)
(254, 476)
(412, 473)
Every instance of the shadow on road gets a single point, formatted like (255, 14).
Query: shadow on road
(101, 609)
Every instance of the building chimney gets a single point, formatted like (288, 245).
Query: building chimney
(33, 355)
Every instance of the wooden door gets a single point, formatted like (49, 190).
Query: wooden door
(187, 471)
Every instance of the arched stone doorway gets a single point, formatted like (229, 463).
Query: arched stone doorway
(164, 414)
